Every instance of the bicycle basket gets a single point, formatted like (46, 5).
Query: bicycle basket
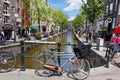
(81, 50)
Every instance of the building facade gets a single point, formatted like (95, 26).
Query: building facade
(110, 20)
(10, 16)
(118, 15)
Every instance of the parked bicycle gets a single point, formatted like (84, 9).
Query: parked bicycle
(112, 54)
(48, 64)
(7, 61)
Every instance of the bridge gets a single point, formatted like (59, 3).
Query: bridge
(97, 73)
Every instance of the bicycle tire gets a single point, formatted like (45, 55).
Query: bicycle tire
(80, 70)
(116, 58)
(40, 61)
(7, 61)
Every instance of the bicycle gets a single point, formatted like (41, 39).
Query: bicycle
(7, 61)
(112, 54)
(48, 64)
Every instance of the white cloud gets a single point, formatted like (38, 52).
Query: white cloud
(71, 18)
(73, 1)
(73, 5)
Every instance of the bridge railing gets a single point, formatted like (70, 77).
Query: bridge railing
(22, 45)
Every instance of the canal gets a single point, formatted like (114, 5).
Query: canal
(36, 49)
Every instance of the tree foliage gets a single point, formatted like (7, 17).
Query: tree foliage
(60, 18)
(42, 12)
(79, 20)
(93, 9)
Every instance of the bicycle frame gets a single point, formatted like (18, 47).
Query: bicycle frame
(110, 52)
(63, 56)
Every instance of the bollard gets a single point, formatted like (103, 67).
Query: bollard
(59, 45)
(22, 68)
(97, 44)
(107, 60)
(100, 42)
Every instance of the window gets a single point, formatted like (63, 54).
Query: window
(116, 5)
(0, 18)
(111, 8)
(119, 10)
(6, 19)
(106, 10)
(5, 12)
(18, 10)
(18, 1)
(5, 7)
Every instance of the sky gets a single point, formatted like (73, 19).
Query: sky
(70, 7)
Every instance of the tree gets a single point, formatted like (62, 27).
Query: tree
(48, 15)
(93, 9)
(38, 10)
(79, 20)
(41, 11)
(60, 18)
(26, 11)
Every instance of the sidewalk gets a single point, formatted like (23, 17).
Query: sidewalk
(99, 73)
(103, 73)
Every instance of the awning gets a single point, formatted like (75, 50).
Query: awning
(34, 28)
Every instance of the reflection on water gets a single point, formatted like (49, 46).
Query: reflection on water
(37, 48)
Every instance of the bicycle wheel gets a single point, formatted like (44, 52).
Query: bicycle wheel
(80, 69)
(40, 61)
(116, 58)
(7, 61)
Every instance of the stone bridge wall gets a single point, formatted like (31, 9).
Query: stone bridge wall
(94, 58)
(15, 48)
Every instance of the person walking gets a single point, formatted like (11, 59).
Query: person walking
(1, 36)
(113, 38)
(118, 41)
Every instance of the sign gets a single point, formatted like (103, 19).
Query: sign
(109, 20)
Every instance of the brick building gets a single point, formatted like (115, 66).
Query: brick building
(10, 16)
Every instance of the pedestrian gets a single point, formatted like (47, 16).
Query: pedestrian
(118, 41)
(113, 38)
(1, 36)
(87, 37)
(94, 37)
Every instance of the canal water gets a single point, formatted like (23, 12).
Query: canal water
(38, 48)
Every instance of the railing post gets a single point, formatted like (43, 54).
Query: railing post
(22, 68)
(59, 45)
(107, 56)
